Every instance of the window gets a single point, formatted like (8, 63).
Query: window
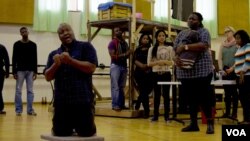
(75, 5)
(94, 5)
(160, 10)
(49, 14)
(48, 5)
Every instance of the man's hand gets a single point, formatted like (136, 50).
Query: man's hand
(65, 58)
(178, 61)
(230, 70)
(130, 51)
(57, 59)
(180, 49)
(241, 77)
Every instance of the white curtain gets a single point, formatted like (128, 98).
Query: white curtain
(48, 14)
(160, 10)
(208, 9)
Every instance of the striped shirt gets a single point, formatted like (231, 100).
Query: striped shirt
(242, 60)
(203, 65)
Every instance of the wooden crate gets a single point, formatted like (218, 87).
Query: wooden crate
(115, 12)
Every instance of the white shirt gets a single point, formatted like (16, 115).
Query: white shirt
(163, 53)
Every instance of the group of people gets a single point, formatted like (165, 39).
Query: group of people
(190, 55)
(72, 64)
(24, 68)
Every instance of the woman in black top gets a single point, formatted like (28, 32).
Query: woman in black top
(143, 73)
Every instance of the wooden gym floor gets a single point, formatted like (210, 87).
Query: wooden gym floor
(29, 128)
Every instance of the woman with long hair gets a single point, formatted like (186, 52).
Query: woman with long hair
(143, 73)
(160, 58)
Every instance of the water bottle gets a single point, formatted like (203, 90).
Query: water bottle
(221, 73)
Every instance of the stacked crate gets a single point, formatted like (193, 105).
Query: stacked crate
(114, 10)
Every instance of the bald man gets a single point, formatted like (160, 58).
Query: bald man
(71, 67)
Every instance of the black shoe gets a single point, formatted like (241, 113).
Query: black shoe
(190, 128)
(33, 113)
(137, 107)
(154, 119)
(2, 112)
(167, 120)
(146, 116)
(210, 129)
(210, 126)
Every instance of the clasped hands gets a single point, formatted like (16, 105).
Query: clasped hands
(164, 62)
(62, 58)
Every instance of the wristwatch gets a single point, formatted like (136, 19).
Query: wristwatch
(186, 47)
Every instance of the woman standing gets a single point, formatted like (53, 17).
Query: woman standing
(196, 81)
(227, 51)
(160, 58)
(143, 73)
(242, 69)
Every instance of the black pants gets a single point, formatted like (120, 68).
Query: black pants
(145, 87)
(199, 95)
(182, 100)
(231, 95)
(164, 91)
(244, 96)
(70, 117)
(1, 89)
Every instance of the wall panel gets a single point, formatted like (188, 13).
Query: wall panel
(142, 6)
(16, 11)
(234, 13)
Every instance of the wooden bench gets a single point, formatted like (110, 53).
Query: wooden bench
(50, 137)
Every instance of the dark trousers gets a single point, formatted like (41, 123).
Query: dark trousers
(70, 117)
(231, 95)
(182, 100)
(1, 89)
(145, 87)
(199, 95)
(161, 90)
(244, 96)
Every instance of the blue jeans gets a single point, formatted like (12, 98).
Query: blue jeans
(21, 76)
(118, 76)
